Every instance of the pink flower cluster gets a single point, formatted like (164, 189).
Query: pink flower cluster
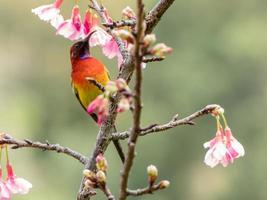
(100, 105)
(13, 184)
(223, 148)
(76, 29)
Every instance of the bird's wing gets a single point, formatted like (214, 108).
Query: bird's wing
(76, 92)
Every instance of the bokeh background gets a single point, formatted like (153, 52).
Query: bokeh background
(219, 56)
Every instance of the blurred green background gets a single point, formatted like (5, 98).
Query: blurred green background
(219, 56)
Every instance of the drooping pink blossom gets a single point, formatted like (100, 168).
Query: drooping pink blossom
(223, 149)
(16, 185)
(5, 193)
(58, 20)
(99, 38)
(234, 148)
(48, 12)
(100, 107)
(111, 49)
(72, 28)
(90, 21)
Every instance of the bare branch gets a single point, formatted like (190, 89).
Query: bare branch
(16, 144)
(118, 24)
(171, 124)
(121, 45)
(138, 54)
(108, 193)
(153, 59)
(154, 16)
(143, 191)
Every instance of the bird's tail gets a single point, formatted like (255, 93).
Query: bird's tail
(115, 142)
(118, 146)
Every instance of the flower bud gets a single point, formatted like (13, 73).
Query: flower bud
(89, 184)
(101, 177)
(152, 173)
(128, 13)
(160, 50)
(111, 87)
(89, 174)
(121, 84)
(101, 163)
(149, 39)
(164, 184)
(125, 35)
(123, 105)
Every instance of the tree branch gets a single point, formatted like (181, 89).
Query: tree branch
(108, 193)
(171, 124)
(16, 144)
(154, 16)
(153, 59)
(118, 24)
(143, 191)
(138, 54)
(125, 72)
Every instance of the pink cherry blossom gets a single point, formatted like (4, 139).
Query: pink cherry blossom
(90, 21)
(15, 184)
(223, 149)
(5, 194)
(72, 28)
(57, 21)
(99, 38)
(100, 107)
(48, 12)
(234, 148)
(111, 49)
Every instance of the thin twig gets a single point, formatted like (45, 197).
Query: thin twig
(147, 190)
(118, 24)
(153, 59)
(171, 124)
(108, 193)
(154, 16)
(121, 44)
(16, 144)
(138, 54)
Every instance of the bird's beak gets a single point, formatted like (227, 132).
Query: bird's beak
(86, 40)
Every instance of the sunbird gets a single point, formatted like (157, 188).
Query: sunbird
(85, 66)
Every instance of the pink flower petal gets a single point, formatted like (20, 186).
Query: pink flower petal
(15, 184)
(99, 38)
(57, 21)
(111, 49)
(5, 194)
(48, 12)
(72, 28)
(90, 21)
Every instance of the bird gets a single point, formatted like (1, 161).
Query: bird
(84, 66)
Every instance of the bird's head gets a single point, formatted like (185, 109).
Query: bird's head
(81, 49)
